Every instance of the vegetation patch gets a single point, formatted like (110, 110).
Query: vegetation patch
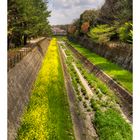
(47, 115)
(126, 32)
(123, 77)
(111, 126)
(108, 119)
(102, 33)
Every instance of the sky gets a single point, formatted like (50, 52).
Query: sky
(65, 11)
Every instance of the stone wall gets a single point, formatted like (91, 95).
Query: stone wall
(20, 82)
(120, 53)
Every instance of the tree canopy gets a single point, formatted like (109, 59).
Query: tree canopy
(119, 10)
(27, 18)
(113, 22)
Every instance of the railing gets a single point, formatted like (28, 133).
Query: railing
(18, 56)
(60, 34)
(23, 52)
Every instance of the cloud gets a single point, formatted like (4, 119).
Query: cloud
(65, 11)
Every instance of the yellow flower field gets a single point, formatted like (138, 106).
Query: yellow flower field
(47, 116)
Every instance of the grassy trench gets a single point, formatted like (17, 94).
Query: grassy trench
(47, 116)
(123, 77)
(108, 121)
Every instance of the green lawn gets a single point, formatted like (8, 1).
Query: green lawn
(47, 116)
(123, 77)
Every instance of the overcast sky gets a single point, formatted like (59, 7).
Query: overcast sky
(65, 11)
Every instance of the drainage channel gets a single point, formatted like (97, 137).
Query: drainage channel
(83, 127)
(122, 94)
(123, 109)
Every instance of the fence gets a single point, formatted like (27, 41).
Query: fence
(18, 56)
(23, 52)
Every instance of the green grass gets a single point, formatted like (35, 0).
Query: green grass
(123, 77)
(47, 116)
(111, 126)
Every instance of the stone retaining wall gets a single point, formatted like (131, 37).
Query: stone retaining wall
(120, 53)
(20, 82)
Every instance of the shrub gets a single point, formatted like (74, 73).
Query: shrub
(79, 98)
(94, 104)
(102, 33)
(88, 110)
(86, 97)
(84, 104)
(126, 33)
(83, 90)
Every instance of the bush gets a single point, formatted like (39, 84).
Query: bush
(79, 98)
(86, 97)
(126, 33)
(102, 33)
(94, 104)
(84, 104)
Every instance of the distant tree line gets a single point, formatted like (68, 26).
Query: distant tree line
(26, 19)
(112, 21)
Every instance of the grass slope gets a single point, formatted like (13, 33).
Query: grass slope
(123, 77)
(47, 116)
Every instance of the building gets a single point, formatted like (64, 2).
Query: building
(58, 31)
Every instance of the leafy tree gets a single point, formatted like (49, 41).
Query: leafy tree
(27, 18)
(85, 27)
(124, 10)
(83, 23)
(119, 10)
(88, 16)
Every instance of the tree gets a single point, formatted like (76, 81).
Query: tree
(88, 16)
(86, 19)
(27, 18)
(85, 27)
(116, 10)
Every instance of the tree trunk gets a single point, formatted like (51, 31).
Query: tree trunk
(8, 41)
(25, 39)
